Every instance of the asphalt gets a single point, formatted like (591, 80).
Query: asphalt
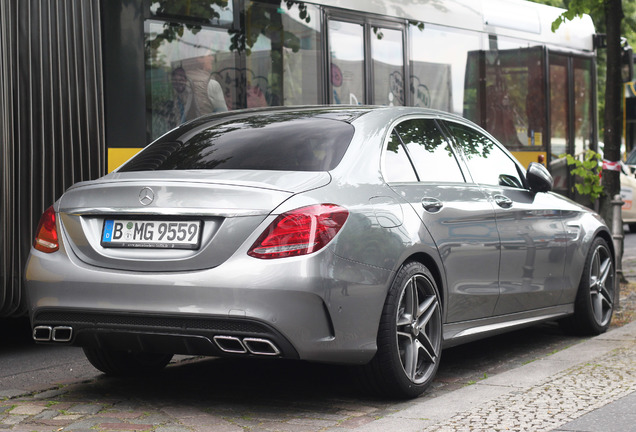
(589, 386)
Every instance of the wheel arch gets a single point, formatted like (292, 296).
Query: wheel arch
(435, 270)
(605, 235)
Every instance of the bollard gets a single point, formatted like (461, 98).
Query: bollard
(617, 236)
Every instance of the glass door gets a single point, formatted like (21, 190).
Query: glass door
(366, 61)
(346, 59)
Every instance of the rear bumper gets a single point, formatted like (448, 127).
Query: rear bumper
(318, 307)
(160, 333)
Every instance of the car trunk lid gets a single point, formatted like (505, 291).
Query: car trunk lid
(165, 211)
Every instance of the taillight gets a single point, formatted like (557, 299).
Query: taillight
(300, 232)
(46, 237)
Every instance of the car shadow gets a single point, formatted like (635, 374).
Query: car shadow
(249, 383)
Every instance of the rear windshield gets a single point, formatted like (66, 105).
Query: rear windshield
(258, 143)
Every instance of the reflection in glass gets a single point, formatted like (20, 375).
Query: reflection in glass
(256, 143)
(439, 66)
(346, 42)
(510, 103)
(488, 164)
(397, 166)
(215, 12)
(430, 152)
(388, 67)
(282, 54)
(583, 114)
(559, 130)
(515, 96)
(185, 72)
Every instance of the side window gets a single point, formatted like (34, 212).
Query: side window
(488, 164)
(397, 166)
(430, 151)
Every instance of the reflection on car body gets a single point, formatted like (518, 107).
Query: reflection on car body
(357, 235)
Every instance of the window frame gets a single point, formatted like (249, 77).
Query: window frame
(368, 22)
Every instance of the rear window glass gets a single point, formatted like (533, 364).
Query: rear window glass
(257, 143)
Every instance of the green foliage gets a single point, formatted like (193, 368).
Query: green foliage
(587, 171)
(577, 8)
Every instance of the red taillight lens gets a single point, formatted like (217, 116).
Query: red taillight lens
(300, 232)
(46, 237)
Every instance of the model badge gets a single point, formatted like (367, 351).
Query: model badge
(146, 196)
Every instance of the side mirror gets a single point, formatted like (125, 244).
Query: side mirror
(538, 177)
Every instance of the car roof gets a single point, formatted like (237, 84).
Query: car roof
(345, 113)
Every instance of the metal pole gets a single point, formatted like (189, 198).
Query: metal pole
(617, 236)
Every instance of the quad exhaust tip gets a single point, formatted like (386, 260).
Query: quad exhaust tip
(255, 346)
(55, 334)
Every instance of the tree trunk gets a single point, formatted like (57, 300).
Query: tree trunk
(613, 105)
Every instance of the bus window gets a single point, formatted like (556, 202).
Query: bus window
(509, 99)
(283, 52)
(346, 48)
(439, 66)
(559, 125)
(189, 72)
(388, 66)
(583, 113)
(515, 99)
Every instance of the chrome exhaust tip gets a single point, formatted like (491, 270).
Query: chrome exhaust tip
(62, 334)
(259, 346)
(230, 344)
(42, 333)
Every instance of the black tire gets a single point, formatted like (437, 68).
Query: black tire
(409, 335)
(594, 302)
(632, 227)
(124, 363)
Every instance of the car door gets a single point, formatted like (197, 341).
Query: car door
(533, 246)
(422, 167)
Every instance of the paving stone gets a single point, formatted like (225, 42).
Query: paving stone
(50, 394)
(13, 419)
(28, 409)
(125, 426)
(47, 414)
(155, 418)
(85, 408)
(172, 429)
(12, 393)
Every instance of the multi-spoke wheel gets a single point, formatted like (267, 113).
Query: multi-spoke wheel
(410, 334)
(595, 298)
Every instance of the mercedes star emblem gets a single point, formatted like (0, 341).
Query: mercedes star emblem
(146, 196)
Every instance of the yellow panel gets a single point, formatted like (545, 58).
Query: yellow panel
(526, 157)
(117, 156)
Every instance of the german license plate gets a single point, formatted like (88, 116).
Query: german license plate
(151, 234)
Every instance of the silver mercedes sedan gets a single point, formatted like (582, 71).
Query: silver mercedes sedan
(370, 236)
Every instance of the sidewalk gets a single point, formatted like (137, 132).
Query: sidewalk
(543, 395)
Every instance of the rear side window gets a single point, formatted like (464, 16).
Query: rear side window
(431, 154)
(256, 143)
(397, 165)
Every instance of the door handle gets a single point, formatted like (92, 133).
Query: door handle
(503, 201)
(432, 205)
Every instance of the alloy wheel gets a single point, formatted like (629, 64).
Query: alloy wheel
(419, 329)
